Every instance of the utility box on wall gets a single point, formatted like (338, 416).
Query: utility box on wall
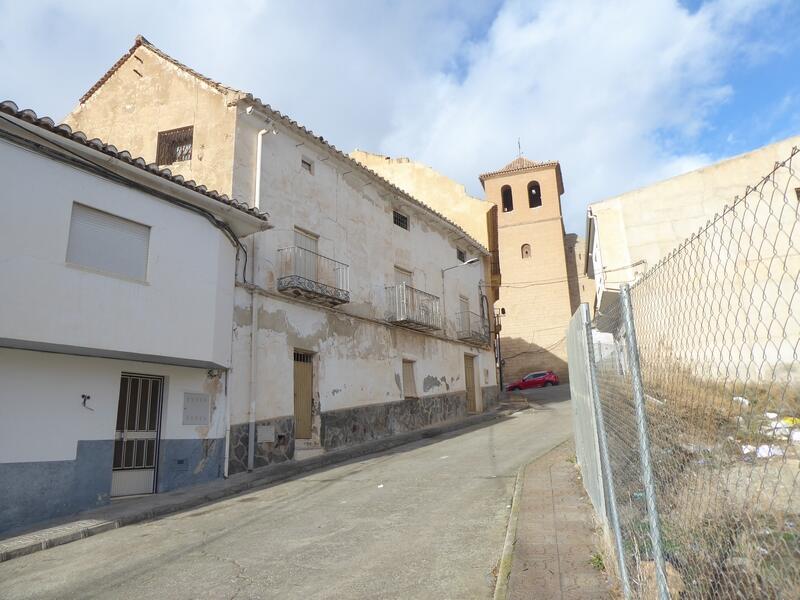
(265, 433)
(196, 409)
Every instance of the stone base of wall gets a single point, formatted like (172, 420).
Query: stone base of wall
(350, 426)
(267, 452)
(491, 396)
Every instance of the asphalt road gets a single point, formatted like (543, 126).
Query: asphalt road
(425, 520)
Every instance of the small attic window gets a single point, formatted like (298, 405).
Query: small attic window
(461, 255)
(174, 145)
(307, 164)
(400, 220)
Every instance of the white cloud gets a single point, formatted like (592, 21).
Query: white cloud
(600, 87)
(617, 91)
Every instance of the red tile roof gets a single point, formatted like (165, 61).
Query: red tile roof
(65, 131)
(518, 164)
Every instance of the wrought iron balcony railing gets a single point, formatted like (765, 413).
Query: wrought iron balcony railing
(472, 327)
(412, 308)
(313, 277)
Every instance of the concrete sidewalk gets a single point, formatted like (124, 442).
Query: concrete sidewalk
(555, 534)
(126, 511)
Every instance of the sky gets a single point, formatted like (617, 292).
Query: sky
(621, 93)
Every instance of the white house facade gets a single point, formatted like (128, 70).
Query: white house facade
(363, 316)
(115, 323)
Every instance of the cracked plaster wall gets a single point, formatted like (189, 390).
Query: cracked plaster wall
(357, 362)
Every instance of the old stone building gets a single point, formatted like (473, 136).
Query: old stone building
(539, 261)
(363, 313)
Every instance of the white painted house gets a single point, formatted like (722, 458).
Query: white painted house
(365, 317)
(116, 309)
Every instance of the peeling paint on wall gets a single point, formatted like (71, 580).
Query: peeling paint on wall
(430, 382)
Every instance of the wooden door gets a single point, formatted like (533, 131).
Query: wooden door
(303, 394)
(469, 377)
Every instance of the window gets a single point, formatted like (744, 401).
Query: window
(400, 220)
(409, 383)
(306, 241)
(174, 145)
(102, 241)
(525, 250)
(402, 276)
(307, 164)
(507, 197)
(534, 194)
(461, 256)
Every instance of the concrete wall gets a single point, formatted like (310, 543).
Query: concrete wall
(148, 94)
(183, 309)
(536, 290)
(648, 223)
(56, 455)
(724, 306)
(437, 191)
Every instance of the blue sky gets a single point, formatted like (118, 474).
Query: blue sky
(622, 93)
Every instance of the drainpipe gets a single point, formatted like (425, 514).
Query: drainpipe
(227, 422)
(251, 437)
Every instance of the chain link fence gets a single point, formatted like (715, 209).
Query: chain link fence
(691, 389)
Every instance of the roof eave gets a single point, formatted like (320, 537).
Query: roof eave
(345, 159)
(242, 223)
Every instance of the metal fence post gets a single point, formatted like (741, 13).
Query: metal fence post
(644, 442)
(603, 447)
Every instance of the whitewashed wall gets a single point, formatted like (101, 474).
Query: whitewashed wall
(41, 413)
(184, 308)
(359, 356)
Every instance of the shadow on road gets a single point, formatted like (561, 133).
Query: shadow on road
(540, 398)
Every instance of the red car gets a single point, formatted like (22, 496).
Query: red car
(534, 380)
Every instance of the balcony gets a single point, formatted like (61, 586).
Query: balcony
(472, 328)
(312, 277)
(413, 308)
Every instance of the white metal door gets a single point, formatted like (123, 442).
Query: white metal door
(136, 437)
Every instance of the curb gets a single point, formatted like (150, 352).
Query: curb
(242, 482)
(506, 559)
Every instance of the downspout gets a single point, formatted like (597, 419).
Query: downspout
(227, 422)
(251, 437)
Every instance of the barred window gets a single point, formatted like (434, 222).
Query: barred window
(174, 145)
(400, 220)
